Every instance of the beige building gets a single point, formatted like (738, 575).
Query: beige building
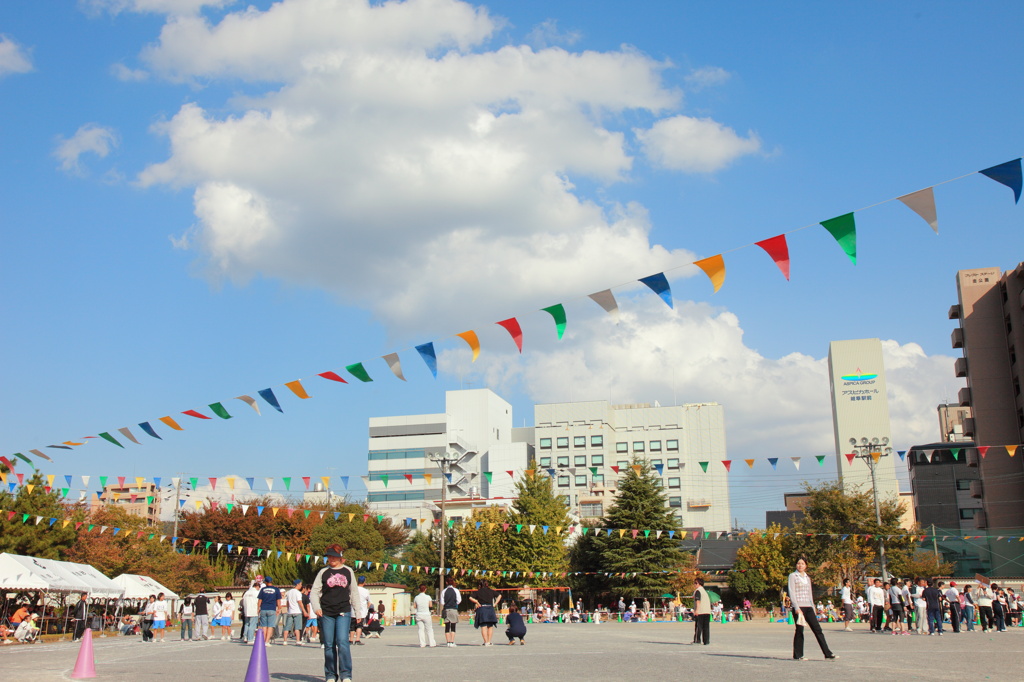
(990, 310)
(138, 497)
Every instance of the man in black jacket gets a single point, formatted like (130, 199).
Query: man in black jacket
(81, 616)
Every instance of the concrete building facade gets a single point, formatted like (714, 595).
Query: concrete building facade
(946, 489)
(990, 311)
(584, 443)
(139, 498)
(860, 409)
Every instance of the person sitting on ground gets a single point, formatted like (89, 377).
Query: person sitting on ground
(127, 625)
(516, 626)
(373, 627)
(5, 634)
(27, 631)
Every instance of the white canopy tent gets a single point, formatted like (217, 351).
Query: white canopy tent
(19, 572)
(141, 586)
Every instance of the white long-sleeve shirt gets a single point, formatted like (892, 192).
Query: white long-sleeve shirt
(800, 593)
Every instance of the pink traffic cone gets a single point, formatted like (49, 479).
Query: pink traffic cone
(257, 671)
(85, 666)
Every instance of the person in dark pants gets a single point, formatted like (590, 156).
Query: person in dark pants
(81, 616)
(516, 627)
(701, 614)
(802, 596)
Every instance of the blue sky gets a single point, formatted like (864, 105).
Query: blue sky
(199, 204)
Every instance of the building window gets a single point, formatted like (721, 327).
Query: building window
(968, 513)
(580, 460)
(563, 442)
(599, 478)
(579, 441)
(597, 441)
(545, 443)
(545, 462)
(563, 461)
(656, 463)
(591, 510)
(673, 483)
(673, 463)
(655, 446)
(672, 445)
(581, 481)
(622, 447)
(622, 466)
(638, 446)
(597, 460)
(563, 481)
(963, 484)
(675, 502)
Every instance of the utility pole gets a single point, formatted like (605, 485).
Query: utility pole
(443, 461)
(871, 451)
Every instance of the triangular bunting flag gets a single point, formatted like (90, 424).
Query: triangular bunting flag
(250, 401)
(714, 268)
(268, 395)
(796, 462)
(426, 352)
(333, 376)
(704, 466)
(659, 284)
(474, 343)
(774, 461)
(606, 299)
(359, 372)
(394, 364)
(297, 388)
(218, 409)
(511, 325)
(557, 311)
(197, 415)
(750, 463)
(1008, 174)
(843, 228)
(778, 249)
(727, 463)
(821, 459)
(128, 434)
(922, 202)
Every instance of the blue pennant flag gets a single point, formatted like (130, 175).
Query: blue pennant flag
(1008, 174)
(268, 395)
(426, 352)
(659, 285)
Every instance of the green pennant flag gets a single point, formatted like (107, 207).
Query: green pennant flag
(152, 535)
(704, 466)
(208, 544)
(149, 499)
(647, 533)
(107, 437)
(230, 506)
(359, 372)
(821, 459)
(219, 410)
(194, 482)
(306, 511)
(558, 312)
(451, 523)
(24, 518)
(287, 483)
(384, 477)
(259, 552)
(844, 230)
(593, 471)
(380, 518)
(519, 528)
(488, 475)
(956, 453)
(707, 534)
(103, 481)
(64, 492)
(87, 530)
(307, 558)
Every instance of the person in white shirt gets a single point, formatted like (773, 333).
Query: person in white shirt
(801, 595)
(356, 636)
(251, 611)
(294, 615)
(160, 611)
(424, 621)
(920, 606)
(953, 597)
(227, 616)
(847, 597)
(876, 600)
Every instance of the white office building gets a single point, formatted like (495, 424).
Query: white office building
(475, 428)
(588, 447)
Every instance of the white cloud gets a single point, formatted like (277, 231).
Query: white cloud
(123, 73)
(90, 138)
(171, 7)
(546, 34)
(694, 145)
(706, 76)
(13, 58)
(394, 150)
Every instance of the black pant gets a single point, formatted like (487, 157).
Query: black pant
(876, 617)
(812, 623)
(954, 616)
(987, 618)
(79, 629)
(702, 628)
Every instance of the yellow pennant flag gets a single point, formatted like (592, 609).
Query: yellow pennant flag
(30, 486)
(1011, 450)
(289, 556)
(428, 478)
(326, 480)
(474, 343)
(296, 388)
(66, 522)
(714, 268)
(138, 481)
(351, 516)
(622, 531)
(558, 530)
(231, 482)
(3, 476)
(750, 463)
(49, 480)
(199, 503)
(117, 496)
(274, 510)
(490, 526)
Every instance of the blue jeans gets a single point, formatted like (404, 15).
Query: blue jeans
(934, 620)
(968, 617)
(186, 626)
(249, 628)
(337, 655)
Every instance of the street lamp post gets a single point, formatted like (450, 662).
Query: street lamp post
(443, 460)
(871, 451)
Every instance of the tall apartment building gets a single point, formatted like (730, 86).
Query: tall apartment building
(582, 441)
(860, 409)
(990, 311)
(951, 421)
(140, 498)
(476, 428)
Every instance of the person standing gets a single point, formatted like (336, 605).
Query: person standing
(953, 597)
(895, 594)
(424, 622)
(701, 614)
(450, 600)
(846, 594)
(310, 629)
(161, 611)
(202, 605)
(967, 608)
(983, 597)
(270, 605)
(186, 614)
(356, 636)
(81, 616)
(293, 614)
(933, 598)
(227, 616)
(801, 594)
(147, 619)
(486, 618)
(876, 602)
(250, 610)
(920, 606)
(335, 600)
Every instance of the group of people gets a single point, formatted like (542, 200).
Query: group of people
(24, 627)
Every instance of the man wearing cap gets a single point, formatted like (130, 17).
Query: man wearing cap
(335, 600)
(953, 597)
(270, 604)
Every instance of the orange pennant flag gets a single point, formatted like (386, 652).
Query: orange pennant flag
(297, 389)
(637, 468)
(474, 343)
(170, 422)
(1011, 450)
(714, 268)
(428, 477)
(750, 463)
(529, 472)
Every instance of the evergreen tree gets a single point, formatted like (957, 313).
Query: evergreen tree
(639, 509)
(22, 535)
(544, 548)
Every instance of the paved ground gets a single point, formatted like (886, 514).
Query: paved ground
(609, 651)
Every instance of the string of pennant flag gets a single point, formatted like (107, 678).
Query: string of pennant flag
(15, 479)
(842, 228)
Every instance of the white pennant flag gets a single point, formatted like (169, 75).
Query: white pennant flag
(85, 481)
(657, 534)
(245, 509)
(39, 519)
(796, 462)
(531, 528)
(922, 203)
(219, 545)
(270, 483)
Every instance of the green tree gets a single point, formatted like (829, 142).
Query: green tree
(542, 547)
(21, 534)
(637, 551)
(835, 526)
(763, 565)
(486, 547)
(920, 564)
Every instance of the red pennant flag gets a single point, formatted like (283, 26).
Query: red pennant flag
(504, 526)
(332, 376)
(511, 325)
(213, 483)
(511, 473)
(305, 479)
(695, 534)
(728, 464)
(213, 505)
(635, 532)
(77, 525)
(193, 413)
(10, 517)
(850, 456)
(408, 477)
(120, 481)
(365, 517)
(983, 450)
(615, 469)
(777, 248)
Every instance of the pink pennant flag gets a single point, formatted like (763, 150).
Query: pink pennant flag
(778, 249)
(306, 479)
(213, 484)
(511, 325)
